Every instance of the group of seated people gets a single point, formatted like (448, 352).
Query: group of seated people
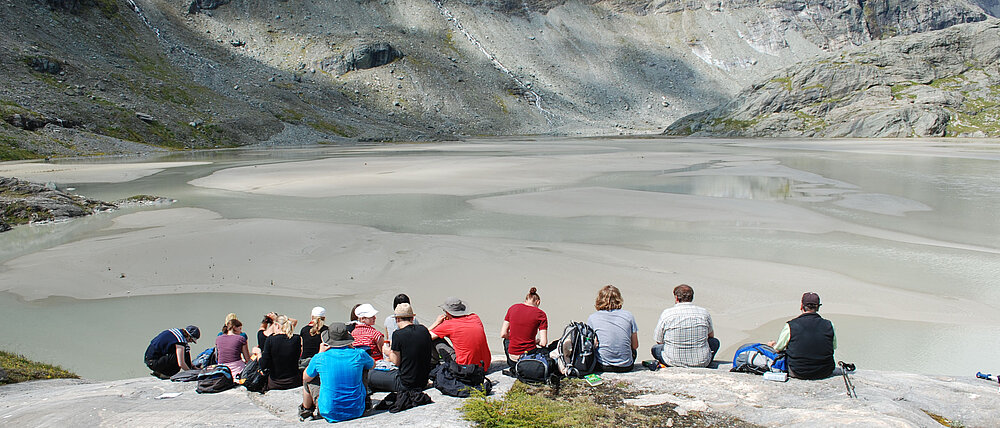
(339, 365)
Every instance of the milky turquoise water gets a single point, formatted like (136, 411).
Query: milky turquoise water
(954, 200)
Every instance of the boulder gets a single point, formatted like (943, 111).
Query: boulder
(45, 65)
(360, 57)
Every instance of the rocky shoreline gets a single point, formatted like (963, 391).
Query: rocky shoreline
(24, 202)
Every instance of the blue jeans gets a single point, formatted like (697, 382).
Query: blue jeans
(657, 350)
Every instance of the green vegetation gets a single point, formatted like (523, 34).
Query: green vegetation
(9, 150)
(735, 124)
(108, 8)
(21, 369)
(944, 421)
(575, 404)
(786, 82)
(810, 122)
(331, 128)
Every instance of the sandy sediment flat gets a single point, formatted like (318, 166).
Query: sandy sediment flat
(187, 250)
(86, 173)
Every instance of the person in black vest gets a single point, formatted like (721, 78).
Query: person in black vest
(808, 341)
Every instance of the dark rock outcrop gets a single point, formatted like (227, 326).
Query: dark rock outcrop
(24, 202)
(198, 5)
(44, 65)
(360, 57)
(29, 122)
(941, 83)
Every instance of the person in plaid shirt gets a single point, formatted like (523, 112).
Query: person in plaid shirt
(684, 336)
(365, 335)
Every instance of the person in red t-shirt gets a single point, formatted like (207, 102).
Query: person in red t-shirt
(465, 331)
(365, 335)
(524, 328)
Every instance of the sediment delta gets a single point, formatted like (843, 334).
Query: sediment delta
(869, 225)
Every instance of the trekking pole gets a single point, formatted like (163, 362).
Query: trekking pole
(844, 368)
(989, 376)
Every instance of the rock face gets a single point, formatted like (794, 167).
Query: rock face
(23, 202)
(362, 57)
(941, 83)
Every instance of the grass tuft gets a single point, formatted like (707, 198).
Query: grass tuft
(20, 369)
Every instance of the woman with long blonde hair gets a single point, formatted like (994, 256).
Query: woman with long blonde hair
(314, 333)
(280, 355)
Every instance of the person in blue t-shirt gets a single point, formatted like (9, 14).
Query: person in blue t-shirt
(169, 352)
(341, 394)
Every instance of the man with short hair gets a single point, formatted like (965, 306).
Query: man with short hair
(466, 332)
(411, 349)
(390, 321)
(809, 341)
(684, 335)
(169, 352)
(341, 394)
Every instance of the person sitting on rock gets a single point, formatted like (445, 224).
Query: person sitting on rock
(465, 331)
(267, 328)
(231, 347)
(365, 334)
(280, 356)
(808, 341)
(524, 328)
(314, 333)
(341, 394)
(390, 321)
(229, 317)
(684, 335)
(170, 351)
(617, 332)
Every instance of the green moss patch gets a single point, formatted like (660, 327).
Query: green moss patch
(20, 369)
(575, 404)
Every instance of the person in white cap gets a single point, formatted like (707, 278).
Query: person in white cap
(314, 333)
(365, 335)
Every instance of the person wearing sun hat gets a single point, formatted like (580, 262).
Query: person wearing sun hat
(341, 394)
(809, 341)
(170, 351)
(365, 334)
(465, 331)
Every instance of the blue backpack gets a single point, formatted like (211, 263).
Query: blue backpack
(758, 358)
(205, 359)
(536, 368)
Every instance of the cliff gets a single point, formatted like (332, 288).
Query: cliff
(935, 84)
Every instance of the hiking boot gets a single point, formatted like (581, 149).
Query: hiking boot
(160, 375)
(305, 413)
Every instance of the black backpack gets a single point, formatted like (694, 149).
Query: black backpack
(216, 384)
(253, 377)
(458, 380)
(577, 350)
(536, 368)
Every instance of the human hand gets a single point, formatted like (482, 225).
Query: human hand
(323, 346)
(772, 343)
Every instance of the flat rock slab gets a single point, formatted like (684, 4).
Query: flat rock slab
(885, 399)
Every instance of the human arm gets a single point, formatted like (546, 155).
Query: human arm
(245, 351)
(635, 340)
(437, 322)
(394, 357)
(782, 343)
(543, 337)
(181, 361)
(505, 329)
(711, 327)
(834, 336)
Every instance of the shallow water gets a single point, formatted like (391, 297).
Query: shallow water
(947, 205)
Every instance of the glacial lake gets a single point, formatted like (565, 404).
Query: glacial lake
(900, 238)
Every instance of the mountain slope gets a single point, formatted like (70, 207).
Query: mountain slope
(123, 76)
(941, 83)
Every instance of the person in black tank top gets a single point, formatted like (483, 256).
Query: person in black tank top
(809, 341)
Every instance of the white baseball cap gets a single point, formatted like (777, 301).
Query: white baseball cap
(319, 311)
(366, 310)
